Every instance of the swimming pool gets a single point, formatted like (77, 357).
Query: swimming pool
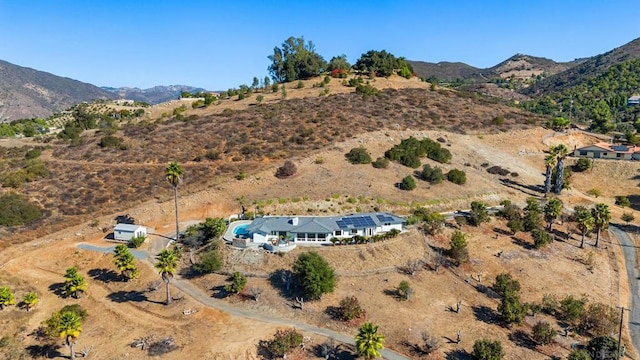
(241, 230)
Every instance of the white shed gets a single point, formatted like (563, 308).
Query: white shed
(124, 232)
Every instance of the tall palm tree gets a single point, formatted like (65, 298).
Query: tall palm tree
(368, 341)
(174, 174)
(561, 153)
(552, 210)
(166, 263)
(601, 216)
(584, 222)
(550, 162)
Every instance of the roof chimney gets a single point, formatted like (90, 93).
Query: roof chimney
(294, 221)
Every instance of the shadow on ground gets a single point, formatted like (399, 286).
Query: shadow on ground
(104, 275)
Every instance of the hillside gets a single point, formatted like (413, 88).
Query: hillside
(154, 95)
(87, 180)
(519, 67)
(27, 93)
(230, 151)
(450, 71)
(588, 68)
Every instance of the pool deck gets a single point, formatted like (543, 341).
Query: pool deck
(229, 235)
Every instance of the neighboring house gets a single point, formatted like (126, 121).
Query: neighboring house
(124, 232)
(320, 229)
(608, 151)
(634, 100)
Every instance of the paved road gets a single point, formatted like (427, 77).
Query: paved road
(200, 296)
(630, 253)
(138, 254)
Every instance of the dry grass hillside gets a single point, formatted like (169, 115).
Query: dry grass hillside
(86, 181)
(89, 183)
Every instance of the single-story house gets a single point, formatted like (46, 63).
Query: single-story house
(634, 100)
(320, 229)
(604, 150)
(124, 232)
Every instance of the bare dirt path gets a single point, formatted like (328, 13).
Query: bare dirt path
(630, 254)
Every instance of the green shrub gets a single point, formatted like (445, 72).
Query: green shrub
(404, 290)
(594, 192)
(623, 201)
(504, 284)
(457, 176)
(583, 164)
(541, 238)
(110, 141)
(16, 210)
(487, 350)
(604, 345)
(408, 183)
(283, 342)
(571, 308)
(498, 120)
(366, 90)
(210, 261)
(458, 247)
(511, 309)
(32, 154)
(350, 309)
(381, 163)
(432, 175)
(136, 241)
(315, 275)
(543, 333)
(300, 84)
(358, 155)
(238, 282)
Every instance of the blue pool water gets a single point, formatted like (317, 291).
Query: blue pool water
(241, 230)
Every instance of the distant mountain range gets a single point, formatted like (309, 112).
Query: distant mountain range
(25, 92)
(154, 95)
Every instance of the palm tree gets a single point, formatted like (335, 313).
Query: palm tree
(67, 325)
(368, 341)
(561, 153)
(601, 216)
(30, 300)
(124, 261)
(74, 283)
(550, 162)
(585, 222)
(552, 210)
(174, 174)
(166, 263)
(70, 328)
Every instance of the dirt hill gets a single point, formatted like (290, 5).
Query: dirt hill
(27, 93)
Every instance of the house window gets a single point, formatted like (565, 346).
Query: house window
(583, 153)
(354, 231)
(338, 232)
(604, 154)
(322, 237)
(619, 155)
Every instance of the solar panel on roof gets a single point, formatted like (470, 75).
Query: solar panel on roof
(619, 148)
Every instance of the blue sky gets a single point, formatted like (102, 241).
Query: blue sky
(217, 45)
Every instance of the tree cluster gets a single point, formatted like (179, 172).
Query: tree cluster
(410, 150)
